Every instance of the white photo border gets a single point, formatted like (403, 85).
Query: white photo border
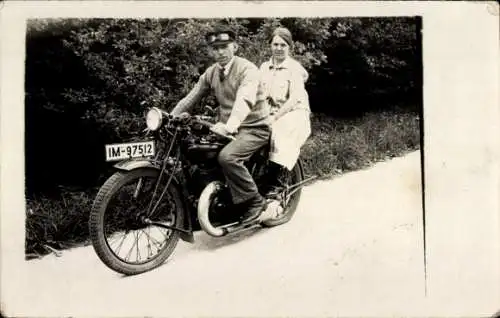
(461, 68)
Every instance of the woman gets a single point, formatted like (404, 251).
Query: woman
(283, 80)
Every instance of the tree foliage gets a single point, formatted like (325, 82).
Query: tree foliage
(89, 81)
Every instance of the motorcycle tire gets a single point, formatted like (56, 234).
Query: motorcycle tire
(97, 223)
(297, 176)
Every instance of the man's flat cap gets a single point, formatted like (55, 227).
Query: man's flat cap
(220, 34)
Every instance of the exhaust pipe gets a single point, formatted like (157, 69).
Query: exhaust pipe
(206, 197)
(204, 201)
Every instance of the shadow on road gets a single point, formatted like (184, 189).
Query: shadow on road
(210, 243)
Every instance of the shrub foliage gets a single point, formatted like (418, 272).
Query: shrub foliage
(89, 81)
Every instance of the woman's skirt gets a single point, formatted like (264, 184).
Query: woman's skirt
(288, 135)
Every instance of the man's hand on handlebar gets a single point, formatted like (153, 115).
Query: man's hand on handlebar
(217, 128)
(221, 129)
(183, 116)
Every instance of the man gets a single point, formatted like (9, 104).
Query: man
(243, 112)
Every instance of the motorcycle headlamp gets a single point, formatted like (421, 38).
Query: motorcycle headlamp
(154, 119)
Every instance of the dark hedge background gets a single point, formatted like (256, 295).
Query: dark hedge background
(89, 81)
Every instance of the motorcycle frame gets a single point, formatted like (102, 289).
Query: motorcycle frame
(164, 166)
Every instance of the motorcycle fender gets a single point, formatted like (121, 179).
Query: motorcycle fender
(128, 165)
(136, 164)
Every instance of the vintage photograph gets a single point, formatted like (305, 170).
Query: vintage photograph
(245, 136)
(247, 165)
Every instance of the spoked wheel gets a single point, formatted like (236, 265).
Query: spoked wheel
(290, 196)
(120, 226)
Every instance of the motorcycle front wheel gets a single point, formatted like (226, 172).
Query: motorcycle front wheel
(120, 225)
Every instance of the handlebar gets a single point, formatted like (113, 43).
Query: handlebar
(196, 119)
(209, 125)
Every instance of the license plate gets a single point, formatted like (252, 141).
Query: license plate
(116, 152)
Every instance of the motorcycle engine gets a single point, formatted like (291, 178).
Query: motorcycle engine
(202, 156)
(202, 175)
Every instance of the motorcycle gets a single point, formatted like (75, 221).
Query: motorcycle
(168, 185)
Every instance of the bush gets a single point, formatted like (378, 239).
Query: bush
(105, 72)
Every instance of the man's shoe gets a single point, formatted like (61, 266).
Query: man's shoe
(254, 208)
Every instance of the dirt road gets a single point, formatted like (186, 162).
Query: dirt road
(354, 248)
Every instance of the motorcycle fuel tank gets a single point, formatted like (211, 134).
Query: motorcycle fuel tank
(203, 152)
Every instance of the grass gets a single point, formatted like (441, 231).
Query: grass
(338, 146)
(57, 223)
(335, 147)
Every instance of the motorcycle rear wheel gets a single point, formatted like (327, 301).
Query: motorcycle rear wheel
(112, 194)
(290, 178)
